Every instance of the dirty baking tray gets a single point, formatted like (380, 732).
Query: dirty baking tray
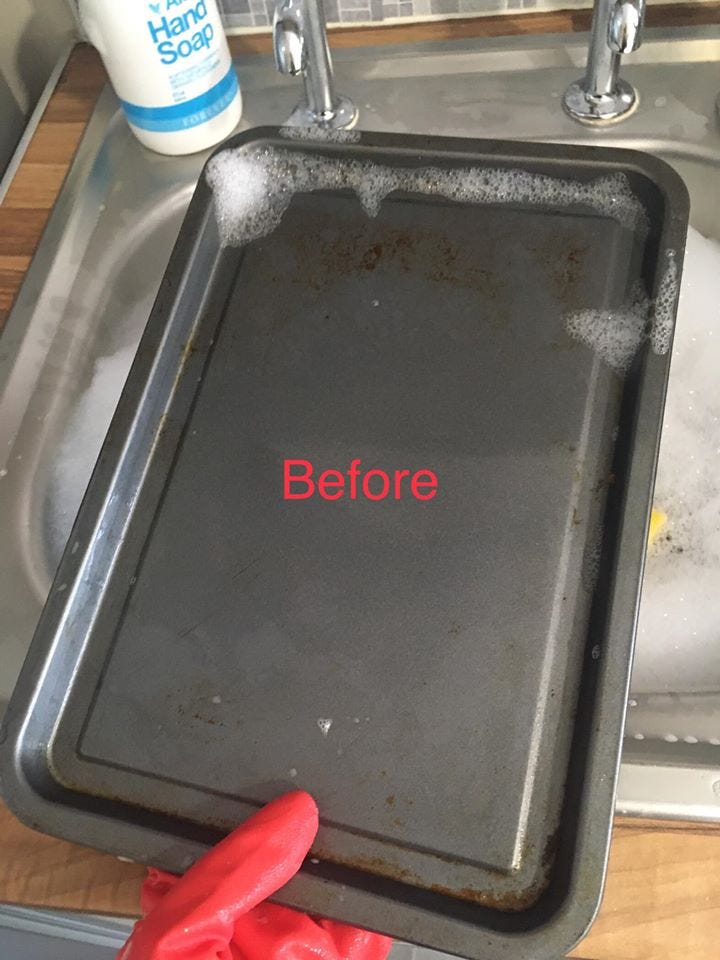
(446, 675)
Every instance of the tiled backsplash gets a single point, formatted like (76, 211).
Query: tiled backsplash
(258, 13)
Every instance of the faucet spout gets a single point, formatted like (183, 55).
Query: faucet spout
(301, 47)
(625, 26)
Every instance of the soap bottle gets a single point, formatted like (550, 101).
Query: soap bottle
(170, 65)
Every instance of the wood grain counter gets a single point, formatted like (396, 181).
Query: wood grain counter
(663, 895)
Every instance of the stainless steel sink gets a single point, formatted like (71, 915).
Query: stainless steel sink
(71, 336)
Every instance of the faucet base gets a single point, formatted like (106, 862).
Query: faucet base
(595, 110)
(342, 117)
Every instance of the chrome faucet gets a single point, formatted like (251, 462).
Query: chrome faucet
(601, 95)
(301, 46)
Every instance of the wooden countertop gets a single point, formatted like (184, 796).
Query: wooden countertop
(663, 894)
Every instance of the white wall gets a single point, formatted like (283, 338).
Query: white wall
(32, 35)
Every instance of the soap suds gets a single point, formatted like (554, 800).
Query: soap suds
(320, 134)
(680, 609)
(664, 306)
(254, 186)
(324, 724)
(614, 335)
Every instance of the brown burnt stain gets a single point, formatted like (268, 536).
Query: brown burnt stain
(550, 851)
(371, 257)
(603, 484)
(429, 252)
(564, 268)
(451, 266)
(209, 720)
(390, 800)
(511, 901)
(187, 350)
(190, 710)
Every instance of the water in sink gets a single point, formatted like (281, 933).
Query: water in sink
(680, 608)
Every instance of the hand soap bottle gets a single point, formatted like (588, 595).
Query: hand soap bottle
(170, 65)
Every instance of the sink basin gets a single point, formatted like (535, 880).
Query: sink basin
(72, 334)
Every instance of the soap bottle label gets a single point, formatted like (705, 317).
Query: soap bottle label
(184, 35)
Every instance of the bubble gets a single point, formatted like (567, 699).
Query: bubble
(664, 306)
(320, 133)
(614, 335)
(253, 187)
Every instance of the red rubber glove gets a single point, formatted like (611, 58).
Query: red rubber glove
(216, 910)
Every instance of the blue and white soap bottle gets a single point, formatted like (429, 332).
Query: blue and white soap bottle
(170, 65)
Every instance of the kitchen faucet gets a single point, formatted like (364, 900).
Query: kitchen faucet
(601, 95)
(301, 47)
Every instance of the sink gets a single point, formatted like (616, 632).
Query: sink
(73, 331)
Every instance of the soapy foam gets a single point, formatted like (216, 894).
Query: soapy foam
(616, 334)
(680, 610)
(253, 188)
(664, 306)
(320, 133)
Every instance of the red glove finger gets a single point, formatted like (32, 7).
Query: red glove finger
(195, 918)
(271, 932)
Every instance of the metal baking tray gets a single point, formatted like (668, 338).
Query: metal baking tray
(448, 676)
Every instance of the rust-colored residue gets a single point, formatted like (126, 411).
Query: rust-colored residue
(188, 349)
(512, 901)
(550, 851)
(432, 253)
(564, 264)
(390, 800)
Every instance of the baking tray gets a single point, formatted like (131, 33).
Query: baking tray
(447, 676)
